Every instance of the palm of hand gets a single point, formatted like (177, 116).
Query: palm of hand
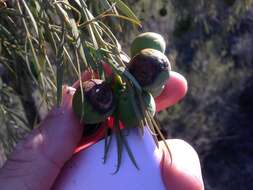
(36, 162)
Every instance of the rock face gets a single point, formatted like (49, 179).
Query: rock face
(214, 54)
(231, 153)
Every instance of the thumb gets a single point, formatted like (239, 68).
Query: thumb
(37, 160)
(183, 170)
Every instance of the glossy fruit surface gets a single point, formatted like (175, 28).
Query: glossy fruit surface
(148, 40)
(98, 101)
(151, 69)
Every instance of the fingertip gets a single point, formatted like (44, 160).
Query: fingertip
(180, 81)
(182, 171)
(174, 90)
(86, 75)
(178, 180)
(107, 69)
(67, 94)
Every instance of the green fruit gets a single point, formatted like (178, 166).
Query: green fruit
(98, 101)
(149, 102)
(151, 69)
(128, 106)
(157, 91)
(148, 40)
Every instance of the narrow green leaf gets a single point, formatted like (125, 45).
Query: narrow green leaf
(10, 12)
(89, 57)
(30, 65)
(118, 140)
(157, 128)
(122, 17)
(134, 103)
(74, 29)
(110, 34)
(130, 77)
(33, 50)
(107, 145)
(31, 17)
(50, 38)
(119, 151)
(151, 128)
(7, 63)
(130, 153)
(88, 17)
(101, 72)
(106, 7)
(59, 74)
(125, 10)
(13, 114)
(68, 56)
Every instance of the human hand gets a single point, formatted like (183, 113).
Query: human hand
(37, 160)
(184, 172)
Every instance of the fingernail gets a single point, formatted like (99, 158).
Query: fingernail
(67, 94)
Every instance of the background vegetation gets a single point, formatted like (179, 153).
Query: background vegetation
(210, 43)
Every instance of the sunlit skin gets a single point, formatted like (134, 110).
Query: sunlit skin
(37, 160)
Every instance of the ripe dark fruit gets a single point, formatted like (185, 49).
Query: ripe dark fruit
(98, 101)
(148, 40)
(127, 111)
(151, 69)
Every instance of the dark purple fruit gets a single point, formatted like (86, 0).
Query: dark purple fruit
(98, 101)
(151, 69)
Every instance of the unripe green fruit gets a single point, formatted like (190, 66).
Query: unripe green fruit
(127, 112)
(151, 69)
(98, 101)
(156, 91)
(148, 40)
(149, 102)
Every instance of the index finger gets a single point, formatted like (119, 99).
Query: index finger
(86, 75)
(174, 90)
(184, 172)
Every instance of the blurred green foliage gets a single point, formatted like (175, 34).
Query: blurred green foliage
(44, 44)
